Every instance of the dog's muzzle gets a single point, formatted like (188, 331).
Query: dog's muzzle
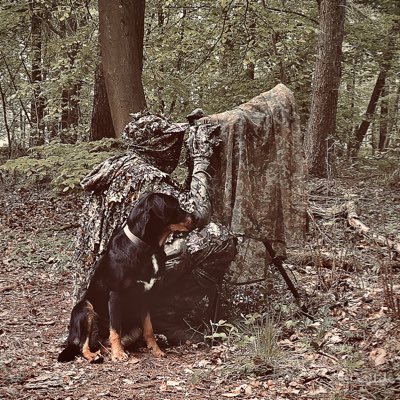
(188, 224)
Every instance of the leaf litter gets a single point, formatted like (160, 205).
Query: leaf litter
(351, 350)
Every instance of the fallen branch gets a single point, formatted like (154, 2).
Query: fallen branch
(348, 211)
(326, 259)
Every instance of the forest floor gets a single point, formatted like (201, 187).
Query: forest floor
(351, 350)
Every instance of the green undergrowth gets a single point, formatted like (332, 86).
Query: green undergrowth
(252, 343)
(61, 166)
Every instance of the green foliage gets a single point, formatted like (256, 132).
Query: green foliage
(219, 55)
(62, 166)
(253, 340)
(68, 58)
(208, 54)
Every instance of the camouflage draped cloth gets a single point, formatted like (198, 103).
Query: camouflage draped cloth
(258, 180)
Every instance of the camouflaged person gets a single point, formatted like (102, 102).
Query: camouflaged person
(196, 262)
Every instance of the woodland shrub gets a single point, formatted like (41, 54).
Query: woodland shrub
(61, 166)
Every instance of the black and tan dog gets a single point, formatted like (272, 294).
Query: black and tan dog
(123, 279)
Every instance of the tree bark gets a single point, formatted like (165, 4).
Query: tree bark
(365, 123)
(121, 27)
(101, 125)
(3, 102)
(383, 122)
(70, 101)
(37, 104)
(322, 122)
(376, 92)
(394, 121)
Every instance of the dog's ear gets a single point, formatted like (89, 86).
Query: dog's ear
(158, 209)
(140, 215)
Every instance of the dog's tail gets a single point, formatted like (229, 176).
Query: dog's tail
(69, 353)
(73, 347)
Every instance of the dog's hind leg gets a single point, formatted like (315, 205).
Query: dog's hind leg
(80, 328)
(94, 358)
(148, 335)
(72, 349)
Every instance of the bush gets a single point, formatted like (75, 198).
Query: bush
(61, 166)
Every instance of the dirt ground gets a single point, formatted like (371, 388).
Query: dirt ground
(351, 350)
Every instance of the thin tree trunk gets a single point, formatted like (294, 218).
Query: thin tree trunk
(376, 92)
(180, 57)
(70, 93)
(383, 122)
(121, 27)
(374, 137)
(70, 112)
(101, 125)
(365, 123)
(160, 88)
(3, 101)
(12, 78)
(326, 81)
(394, 126)
(37, 104)
(280, 72)
(251, 41)
(351, 88)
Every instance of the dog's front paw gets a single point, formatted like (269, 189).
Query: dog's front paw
(97, 359)
(119, 355)
(93, 358)
(157, 352)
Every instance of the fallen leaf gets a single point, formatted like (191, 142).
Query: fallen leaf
(174, 383)
(335, 339)
(203, 363)
(378, 356)
(318, 390)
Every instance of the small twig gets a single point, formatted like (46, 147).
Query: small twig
(327, 355)
(7, 288)
(65, 227)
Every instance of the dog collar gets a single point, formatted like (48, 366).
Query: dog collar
(136, 240)
(133, 238)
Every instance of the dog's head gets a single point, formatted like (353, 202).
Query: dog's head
(156, 215)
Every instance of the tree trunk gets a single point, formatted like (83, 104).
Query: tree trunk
(322, 123)
(383, 122)
(70, 113)
(70, 101)
(365, 123)
(249, 67)
(394, 123)
(280, 71)
(121, 27)
(179, 61)
(101, 125)
(388, 54)
(37, 104)
(351, 88)
(3, 102)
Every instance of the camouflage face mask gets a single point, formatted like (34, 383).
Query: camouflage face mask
(155, 139)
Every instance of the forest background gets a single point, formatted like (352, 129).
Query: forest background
(341, 60)
(213, 55)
